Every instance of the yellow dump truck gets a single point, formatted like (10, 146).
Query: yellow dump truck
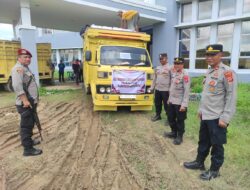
(117, 68)
(8, 58)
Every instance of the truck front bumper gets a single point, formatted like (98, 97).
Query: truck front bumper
(110, 102)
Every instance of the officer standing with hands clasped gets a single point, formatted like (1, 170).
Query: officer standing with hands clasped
(217, 106)
(161, 84)
(178, 101)
(26, 90)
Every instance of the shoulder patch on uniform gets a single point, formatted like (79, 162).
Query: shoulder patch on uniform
(229, 76)
(19, 70)
(186, 78)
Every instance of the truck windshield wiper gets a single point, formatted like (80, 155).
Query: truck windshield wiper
(139, 64)
(124, 63)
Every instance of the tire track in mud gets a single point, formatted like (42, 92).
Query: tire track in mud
(94, 162)
(67, 119)
(9, 132)
(78, 154)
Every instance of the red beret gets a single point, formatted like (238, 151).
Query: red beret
(24, 52)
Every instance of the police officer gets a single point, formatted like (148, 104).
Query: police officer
(216, 109)
(178, 101)
(161, 84)
(23, 79)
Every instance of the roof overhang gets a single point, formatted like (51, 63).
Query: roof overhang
(67, 14)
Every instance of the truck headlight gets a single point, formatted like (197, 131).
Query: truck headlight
(108, 89)
(149, 91)
(101, 74)
(102, 89)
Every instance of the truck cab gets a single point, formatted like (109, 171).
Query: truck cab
(117, 68)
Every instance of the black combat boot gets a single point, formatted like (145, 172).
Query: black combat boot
(170, 135)
(32, 152)
(194, 165)
(36, 142)
(156, 117)
(178, 140)
(209, 174)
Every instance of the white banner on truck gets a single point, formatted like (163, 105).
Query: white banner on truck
(128, 82)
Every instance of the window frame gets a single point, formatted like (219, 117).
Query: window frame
(230, 36)
(245, 57)
(181, 14)
(198, 12)
(219, 11)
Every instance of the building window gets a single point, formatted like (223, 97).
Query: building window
(184, 45)
(205, 10)
(225, 37)
(75, 54)
(186, 12)
(202, 40)
(227, 8)
(246, 7)
(66, 56)
(244, 62)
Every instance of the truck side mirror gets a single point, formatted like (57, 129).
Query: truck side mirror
(87, 55)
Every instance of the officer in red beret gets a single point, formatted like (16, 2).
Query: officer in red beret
(23, 52)
(26, 90)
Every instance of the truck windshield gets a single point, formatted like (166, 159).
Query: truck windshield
(127, 56)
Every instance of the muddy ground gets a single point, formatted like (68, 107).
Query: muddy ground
(96, 151)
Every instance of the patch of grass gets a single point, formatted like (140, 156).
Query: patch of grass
(56, 75)
(44, 92)
(163, 184)
(139, 164)
(61, 95)
(196, 84)
(237, 149)
(8, 98)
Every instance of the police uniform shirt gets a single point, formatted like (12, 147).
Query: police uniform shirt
(161, 79)
(180, 87)
(20, 77)
(219, 94)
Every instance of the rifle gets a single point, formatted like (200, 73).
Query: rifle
(36, 118)
(33, 107)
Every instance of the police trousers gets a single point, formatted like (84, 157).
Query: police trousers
(176, 119)
(161, 96)
(212, 135)
(61, 76)
(26, 126)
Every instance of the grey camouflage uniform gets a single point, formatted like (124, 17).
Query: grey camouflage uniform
(180, 87)
(161, 80)
(219, 94)
(20, 77)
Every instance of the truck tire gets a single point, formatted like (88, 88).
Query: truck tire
(87, 90)
(8, 86)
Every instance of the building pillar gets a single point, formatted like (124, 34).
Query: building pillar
(236, 46)
(165, 35)
(79, 54)
(27, 34)
(57, 56)
(192, 53)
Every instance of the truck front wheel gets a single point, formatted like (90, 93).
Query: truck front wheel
(8, 86)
